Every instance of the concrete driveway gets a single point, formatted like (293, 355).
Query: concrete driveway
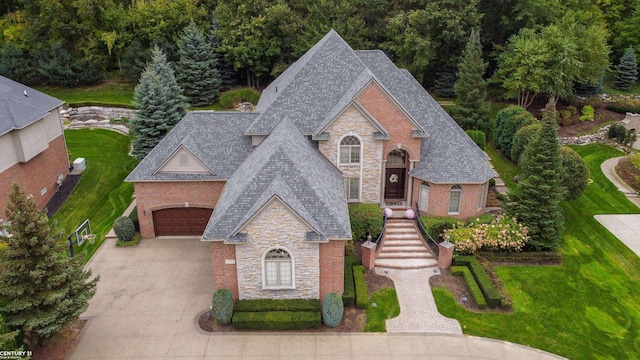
(149, 298)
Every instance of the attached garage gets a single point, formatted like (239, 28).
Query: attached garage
(186, 221)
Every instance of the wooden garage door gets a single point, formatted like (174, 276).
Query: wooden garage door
(181, 221)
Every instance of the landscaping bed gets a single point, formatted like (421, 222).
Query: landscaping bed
(628, 173)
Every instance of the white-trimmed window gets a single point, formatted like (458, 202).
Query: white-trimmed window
(424, 196)
(352, 188)
(481, 199)
(454, 199)
(277, 269)
(349, 150)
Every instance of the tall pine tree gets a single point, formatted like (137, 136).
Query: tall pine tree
(197, 70)
(45, 289)
(627, 71)
(537, 197)
(160, 102)
(472, 111)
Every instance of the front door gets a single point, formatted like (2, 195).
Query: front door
(395, 183)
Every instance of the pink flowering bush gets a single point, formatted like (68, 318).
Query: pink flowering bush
(502, 234)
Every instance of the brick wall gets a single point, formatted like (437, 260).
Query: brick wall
(331, 268)
(152, 196)
(439, 199)
(225, 275)
(277, 226)
(353, 122)
(40, 172)
(389, 115)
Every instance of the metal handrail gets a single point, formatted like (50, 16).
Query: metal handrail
(378, 241)
(426, 238)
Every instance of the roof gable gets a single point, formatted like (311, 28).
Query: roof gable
(183, 161)
(360, 109)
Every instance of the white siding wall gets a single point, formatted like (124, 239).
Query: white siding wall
(176, 165)
(31, 141)
(53, 127)
(9, 156)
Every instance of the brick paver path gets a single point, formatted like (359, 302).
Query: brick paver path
(418, 311)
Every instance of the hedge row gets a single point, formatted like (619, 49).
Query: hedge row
(524, 258)
(484, 282)
(349, 293)
(277, 320)
(471, 284)
(266, 305)
(623, 109)
(361, 287)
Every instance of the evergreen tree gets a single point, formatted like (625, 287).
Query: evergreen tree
(537, 197)
(197, 70)
(160, 102)
(575, 173)
(17, 65)
(472, 111)
(134, 60)
(227, 75)
(627, 71)
(45, 288)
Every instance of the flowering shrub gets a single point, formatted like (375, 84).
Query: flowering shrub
(502, 234)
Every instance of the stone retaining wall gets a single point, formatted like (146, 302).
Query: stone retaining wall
(96, 117)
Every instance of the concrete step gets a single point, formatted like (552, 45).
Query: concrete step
(403, 242)
(399, 223)
(416, 248)
(402, 236)
(404, 255)
(406, 263)
(400, 230)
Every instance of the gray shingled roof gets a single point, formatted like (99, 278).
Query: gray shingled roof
(215, 138)
(285, 165)
(18, 111)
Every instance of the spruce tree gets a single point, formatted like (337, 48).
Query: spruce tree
(160, 104)
(226, 72)
(627, 71)
(45, 289)
(472, 111)
(197, 70)
(537, 197)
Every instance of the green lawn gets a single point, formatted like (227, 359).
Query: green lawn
(101, 196)
(503, 166)
(587, 308)
(115, 93)
(386, 307)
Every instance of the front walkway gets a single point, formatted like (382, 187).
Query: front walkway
(149, 299)
(608, 167)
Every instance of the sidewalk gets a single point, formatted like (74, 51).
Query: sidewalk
(609, 169)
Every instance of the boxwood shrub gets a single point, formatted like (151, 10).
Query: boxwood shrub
(361, 287)
(222, 306)
(435, 225)
(365, 219)
(349, 293)
(332, 309)
(277, 320)
(477, 294)
(484, 281)
(265, 305)
(621, 109)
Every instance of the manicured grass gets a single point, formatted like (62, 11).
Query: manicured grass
(608, 87)
(114, 93)
(387, 307)
(587, 308)
(503, 166)
(101, 196)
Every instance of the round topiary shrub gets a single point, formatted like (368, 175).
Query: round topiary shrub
(332, 310)
(124, 228)
(222, 306)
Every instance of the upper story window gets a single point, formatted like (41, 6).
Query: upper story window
(350, 150)
(481, 197)
(278, 269)
(454, 200)
(424, 196)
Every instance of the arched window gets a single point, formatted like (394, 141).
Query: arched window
(184, 160)
(277, 269)
(350, 150)
(424, 196)
(454, 200)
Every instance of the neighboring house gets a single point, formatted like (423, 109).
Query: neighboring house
(269, 189)
(33, 151)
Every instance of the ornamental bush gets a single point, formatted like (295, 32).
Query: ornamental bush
(588, 113)
(436, 225)
(508, 121)
(124, 228)
(522, 137)
(572, 109)
(365, 219)
(502, 234)
(332, 310)
(222, 306)
(478, 137)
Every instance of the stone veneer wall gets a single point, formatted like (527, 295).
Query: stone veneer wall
(275, 226)
(353, 122)
(439, 195)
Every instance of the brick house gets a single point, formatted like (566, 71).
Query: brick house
(32, 144)
(269, 189)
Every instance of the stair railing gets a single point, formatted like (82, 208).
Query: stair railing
(426, 238)
(380, 238)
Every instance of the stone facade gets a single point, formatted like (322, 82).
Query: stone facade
(439, 194)
(152, 196)
(289, 234)
(352, 122)
(41, 172)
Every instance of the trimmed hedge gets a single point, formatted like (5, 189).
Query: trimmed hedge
(478, 137)
(620, 109)
(365, 219)
(267, 305)
(524, 258)
(435, 225)
(361, 287)
(484, 281)
(471, 284)
(277, 320)
(349, 293)
(332, 310)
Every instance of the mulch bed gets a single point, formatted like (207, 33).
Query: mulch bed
(628, 173)
(60, 346)
(62, 194)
